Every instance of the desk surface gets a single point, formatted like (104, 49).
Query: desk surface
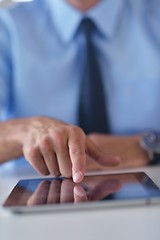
(121, 223)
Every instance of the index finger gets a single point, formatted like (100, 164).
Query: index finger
(76, 144)
(79, 194)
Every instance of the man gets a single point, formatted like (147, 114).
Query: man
(42, 53)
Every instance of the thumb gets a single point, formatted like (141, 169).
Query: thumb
(100, 157)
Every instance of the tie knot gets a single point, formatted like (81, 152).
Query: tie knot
(87, 26)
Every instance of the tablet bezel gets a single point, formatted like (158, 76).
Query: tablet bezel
(86, 205)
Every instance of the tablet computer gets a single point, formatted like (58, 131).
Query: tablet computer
(57, 194)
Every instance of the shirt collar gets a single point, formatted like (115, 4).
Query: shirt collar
(66, 18)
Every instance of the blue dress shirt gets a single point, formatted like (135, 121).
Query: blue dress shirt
(42, 61)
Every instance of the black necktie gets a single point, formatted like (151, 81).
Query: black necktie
(92, 110)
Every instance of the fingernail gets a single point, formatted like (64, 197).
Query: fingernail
(117, 159)
(78, 191)
(77, 177)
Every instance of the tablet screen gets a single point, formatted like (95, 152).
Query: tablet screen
(101, 188)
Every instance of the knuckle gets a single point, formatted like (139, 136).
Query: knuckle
(45, 143)
(31, 152)
(59, 138)
(74, 129)
(77, 152)
(77, 131)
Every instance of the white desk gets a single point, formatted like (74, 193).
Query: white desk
(141, 223)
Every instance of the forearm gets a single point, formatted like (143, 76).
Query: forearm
(126, 147)
(11, 133)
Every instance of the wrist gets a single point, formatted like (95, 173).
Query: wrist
(19, 129)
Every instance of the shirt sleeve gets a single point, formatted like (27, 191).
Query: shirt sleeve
(5, 69)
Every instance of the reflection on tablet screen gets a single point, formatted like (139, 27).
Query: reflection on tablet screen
(93, 188)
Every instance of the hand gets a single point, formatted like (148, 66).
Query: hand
(66, 191)
(54, 147)
(126, 147)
